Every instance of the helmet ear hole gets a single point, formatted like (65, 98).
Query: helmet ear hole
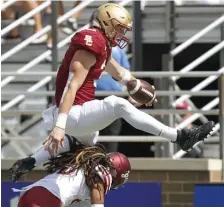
(105, 23)
(108, 14)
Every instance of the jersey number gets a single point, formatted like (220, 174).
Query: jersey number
(89, 40)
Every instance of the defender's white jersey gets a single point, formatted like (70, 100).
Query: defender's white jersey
(71, 187)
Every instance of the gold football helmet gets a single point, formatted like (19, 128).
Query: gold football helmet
(115, 21)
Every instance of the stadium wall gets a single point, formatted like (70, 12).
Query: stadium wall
(177, 177)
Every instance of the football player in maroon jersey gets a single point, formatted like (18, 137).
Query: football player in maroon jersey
(86, 175)
(77, 113)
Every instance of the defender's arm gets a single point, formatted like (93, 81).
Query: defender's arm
(97, 195)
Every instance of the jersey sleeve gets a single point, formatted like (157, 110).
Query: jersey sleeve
(89, 40)
(106, 177)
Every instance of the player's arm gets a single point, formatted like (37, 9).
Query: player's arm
(97, 195)
(118, 72)
(122, 75)
(81, 62)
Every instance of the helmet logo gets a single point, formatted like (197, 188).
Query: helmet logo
(89, 40)
(125, 176)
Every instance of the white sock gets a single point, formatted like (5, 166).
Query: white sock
(169, 133)
(42, 155)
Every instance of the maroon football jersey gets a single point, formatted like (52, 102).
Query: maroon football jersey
(94, 41)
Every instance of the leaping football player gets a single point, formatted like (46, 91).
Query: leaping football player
(77, 113)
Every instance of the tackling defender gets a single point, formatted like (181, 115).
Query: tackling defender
(84, 175)
(76, 113)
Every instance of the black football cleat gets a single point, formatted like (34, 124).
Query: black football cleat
(21, 167)
(187, 138)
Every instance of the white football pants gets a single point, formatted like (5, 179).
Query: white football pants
(85, 121)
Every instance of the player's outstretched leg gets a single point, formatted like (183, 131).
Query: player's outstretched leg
(185, 138)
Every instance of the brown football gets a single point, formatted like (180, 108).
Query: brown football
(141, 91)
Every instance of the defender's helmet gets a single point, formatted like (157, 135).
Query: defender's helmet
(120, 169)
(115, 21)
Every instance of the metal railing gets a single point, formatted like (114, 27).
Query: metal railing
(139, 74)
(148, 111)
(22, 95)
(194, 64)
(196, 113)
(7, 4)
(202, 58)
(198, 87)
(194, 38)
(108, 93)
